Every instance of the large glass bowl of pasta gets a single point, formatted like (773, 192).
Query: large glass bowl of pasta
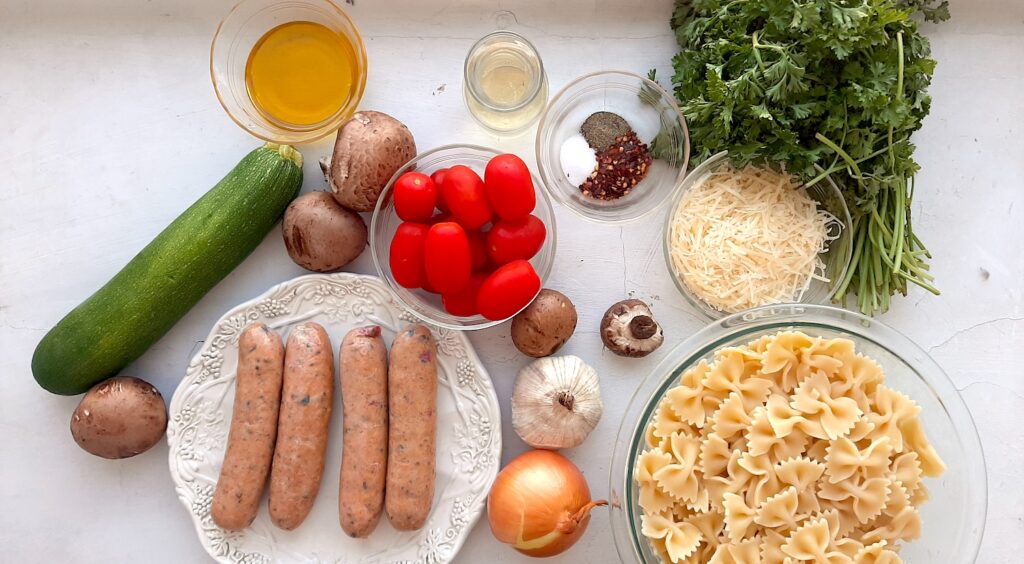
(803, 432)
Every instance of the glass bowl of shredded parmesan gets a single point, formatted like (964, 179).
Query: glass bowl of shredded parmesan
(739, 238)
(797, 432)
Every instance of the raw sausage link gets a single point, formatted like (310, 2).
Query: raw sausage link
(412, 428)
(253, 428)
(364, 397)
(307, 400)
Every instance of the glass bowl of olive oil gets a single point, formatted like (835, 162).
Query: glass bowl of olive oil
(288, 71)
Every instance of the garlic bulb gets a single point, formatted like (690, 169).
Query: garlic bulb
(556, 402)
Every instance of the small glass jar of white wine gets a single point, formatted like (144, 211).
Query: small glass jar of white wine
(505, 86)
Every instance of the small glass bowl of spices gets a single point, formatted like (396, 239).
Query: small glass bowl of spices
(612, 146)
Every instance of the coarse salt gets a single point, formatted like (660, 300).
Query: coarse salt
(578, 159)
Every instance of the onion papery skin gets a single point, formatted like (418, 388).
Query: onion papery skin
(540, 504)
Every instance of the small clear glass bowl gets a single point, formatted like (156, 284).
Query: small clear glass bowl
(653, 115)
(236, 35)
(385, 222)
(836, 258)
(953, 520)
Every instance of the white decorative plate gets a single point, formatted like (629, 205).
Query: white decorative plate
(468, 432)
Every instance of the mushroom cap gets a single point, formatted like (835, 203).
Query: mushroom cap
(545, 325)
(320, 234)
(628, 329)
(119, 417)
(370, 147)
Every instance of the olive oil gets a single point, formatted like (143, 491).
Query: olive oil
(301, 73)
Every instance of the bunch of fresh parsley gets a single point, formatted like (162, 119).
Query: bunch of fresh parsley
(823, 87)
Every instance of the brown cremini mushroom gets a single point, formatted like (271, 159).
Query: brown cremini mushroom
(320, 234)
(629, 329)
(545, 325)
(119, 417)
(370, 148)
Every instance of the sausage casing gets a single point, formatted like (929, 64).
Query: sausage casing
(364, 457)
(253, 428)
(307, 398)
(412, 428)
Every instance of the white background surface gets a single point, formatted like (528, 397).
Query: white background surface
(110, 129)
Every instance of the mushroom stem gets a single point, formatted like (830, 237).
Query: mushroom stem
(565, 399)
(642, 327)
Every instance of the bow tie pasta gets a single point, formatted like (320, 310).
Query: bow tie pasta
(788, 449)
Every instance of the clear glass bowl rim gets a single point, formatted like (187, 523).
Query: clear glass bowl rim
(598, 217)
(546, 254)
(687, 183)
(776, 317)
(297, 135)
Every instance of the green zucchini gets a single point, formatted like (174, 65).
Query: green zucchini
(152, 292)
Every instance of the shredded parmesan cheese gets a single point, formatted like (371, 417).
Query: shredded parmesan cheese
(751, 237)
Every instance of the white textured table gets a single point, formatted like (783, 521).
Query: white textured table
(110, 128)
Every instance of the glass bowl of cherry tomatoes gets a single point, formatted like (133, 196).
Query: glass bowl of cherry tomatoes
(463, 236)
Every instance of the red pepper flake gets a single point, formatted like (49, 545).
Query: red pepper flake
(619, 169)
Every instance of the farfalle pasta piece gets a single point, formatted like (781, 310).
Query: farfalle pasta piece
(782, 359)
(843, 459)
(652, 498)
(914, 438)
(906, 469)
(920, 495)
(771, 547)
(688, 400)
(826, 356)
(865, 499)
(667, 422)
(812, 541)
(711, 525)
(762, 439)
(745, 552)
(681, 539)
(876, 554)
(779, 511)
(898, 500)
(888, 410)
(803, 474)
(678, 478)
(818, 450)
(858, 378)
(739, 518)
(906, 526)
(732, 373)
(861, 430)
(714, 456)
(731, 419)
(782, 418)
(829, 417)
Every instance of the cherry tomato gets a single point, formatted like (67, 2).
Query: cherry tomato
(463, 303)
(508, 290)
(447, 257)
(509, 187)
(515, 239)
(415, 196)
(477, 249)
(464, 194)
(438, 178)
(406, 254)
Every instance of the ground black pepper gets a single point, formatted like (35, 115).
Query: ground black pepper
(602, 129)
(619, 169)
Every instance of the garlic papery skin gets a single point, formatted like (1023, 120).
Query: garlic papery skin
(556, 402)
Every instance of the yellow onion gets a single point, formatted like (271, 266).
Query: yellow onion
(540, 504)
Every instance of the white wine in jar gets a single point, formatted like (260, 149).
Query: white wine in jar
(505, 85)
